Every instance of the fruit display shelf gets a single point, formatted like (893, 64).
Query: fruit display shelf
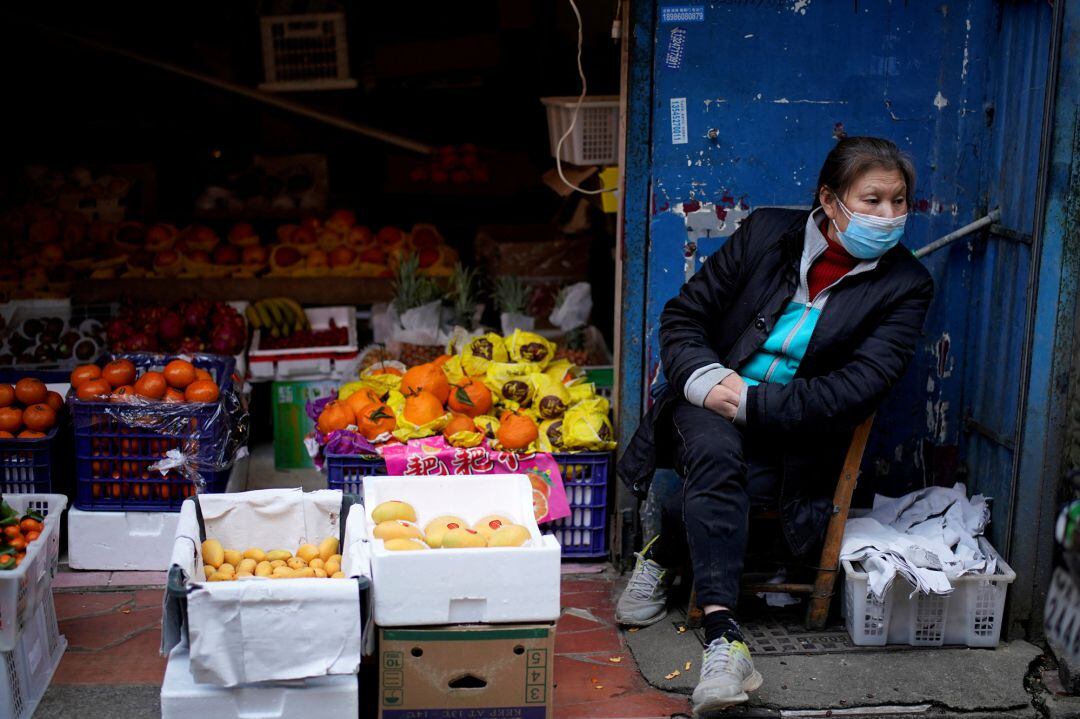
(305, 290)
(582, 535)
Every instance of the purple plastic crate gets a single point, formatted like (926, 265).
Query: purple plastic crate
(585, 475)
(28, 466)
(112, 458)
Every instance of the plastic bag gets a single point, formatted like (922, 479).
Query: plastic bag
(563, 371)
(510, 382)
(481, 351)
(551, 439)
(212, 435)
(420, 325)
(574, 307)
(530, 348)
(586, 428)
(550, 398)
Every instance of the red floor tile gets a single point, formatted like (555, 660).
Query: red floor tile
(96, 633)
(72, 605)
(595, 640)
(571, 623)
(135, 661)
(149, 597)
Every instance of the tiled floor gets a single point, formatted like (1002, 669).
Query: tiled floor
(114, 634)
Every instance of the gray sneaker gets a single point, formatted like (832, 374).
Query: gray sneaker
(727, 674)
(644, 601)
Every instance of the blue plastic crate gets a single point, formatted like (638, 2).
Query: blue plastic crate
(583, 534)
(29, 466)
(112, 458)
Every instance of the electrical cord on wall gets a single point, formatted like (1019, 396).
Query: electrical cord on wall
(574, 116)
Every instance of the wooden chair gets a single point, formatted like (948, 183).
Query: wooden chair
(821, 591)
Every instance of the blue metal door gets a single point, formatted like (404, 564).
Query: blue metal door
(733, 105)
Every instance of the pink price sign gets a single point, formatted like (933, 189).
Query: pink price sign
(433, 456)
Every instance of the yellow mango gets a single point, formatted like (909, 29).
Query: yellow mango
(509, 535)
(213, 553)
(462, 538)
(281, 572)
(307, 552)
(226, 568)
(317, 563)
(332, 566)
(219, 577)
(246, 565)
(296, 563)
(321, 574)
(337, 575)
(254, 553)
(394, 509)
(275, 563)
(240, 575)
(396, 529)
(233, 557)
(278, 554)
(336, 558)
(404, 545)
(328, 548)
(303, 573)
(263, 569)
(208, 570)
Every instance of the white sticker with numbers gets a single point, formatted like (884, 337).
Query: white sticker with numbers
(679, 134)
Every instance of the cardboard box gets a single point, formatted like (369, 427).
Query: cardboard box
(256, 629)
(463, 586)
(477, 672)
(183, 698)
(121, 540)
(291, 422)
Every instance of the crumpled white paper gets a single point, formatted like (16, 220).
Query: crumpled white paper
(928, 537)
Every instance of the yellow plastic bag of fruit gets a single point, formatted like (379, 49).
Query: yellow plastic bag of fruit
(465, 439)
(510, 382)
(487, 424)
(581, 391)
(563, 371)
(350, 388)
(406, 430)
(454, 370)
(384, 376)
(481, 352)
(551, 439)
(550, 397)
(586, 428)
(530, 348)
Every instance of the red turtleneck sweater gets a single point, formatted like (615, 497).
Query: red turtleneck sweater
(831, 265)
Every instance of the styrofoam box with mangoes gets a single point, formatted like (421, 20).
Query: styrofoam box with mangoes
(309, 562)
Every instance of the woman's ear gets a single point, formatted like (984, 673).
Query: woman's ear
(827, 200)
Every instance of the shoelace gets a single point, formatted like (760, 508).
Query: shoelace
(717, 657)
(645, 578)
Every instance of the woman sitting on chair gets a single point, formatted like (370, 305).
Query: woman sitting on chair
(787, 338)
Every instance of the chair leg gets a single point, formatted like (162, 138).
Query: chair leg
(817, 613)
(694, 613)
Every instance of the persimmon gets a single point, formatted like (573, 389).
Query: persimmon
(119, 372)
(82, 373)
(39, 417)
(30, 391)
(93, 390)
(7, 395)
(151, 385)
(179, 373)
(202, 390)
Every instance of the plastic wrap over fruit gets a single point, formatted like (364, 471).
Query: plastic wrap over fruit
(550, 397)
(585, 428)
(531, 348)
(481, 351)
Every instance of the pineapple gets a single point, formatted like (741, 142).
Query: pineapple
(413, 290)
(465, 296)
(511, 295)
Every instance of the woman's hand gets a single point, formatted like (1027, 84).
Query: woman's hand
(723, 400)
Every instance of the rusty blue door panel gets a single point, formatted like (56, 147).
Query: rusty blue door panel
(746, 99)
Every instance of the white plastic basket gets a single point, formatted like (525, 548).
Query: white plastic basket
(25, 588)
(26, 670)
(305, 52)
(972, 615)
(595, 139)
(337, 362)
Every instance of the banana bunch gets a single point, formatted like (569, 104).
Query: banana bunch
(278, 316)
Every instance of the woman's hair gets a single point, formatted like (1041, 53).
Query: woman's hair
(853, 156)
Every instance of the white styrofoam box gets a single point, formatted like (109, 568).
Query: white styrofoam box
(121, 540)
(183, 698)
(236, 630)
(29, 585)
(337, 362)
(463, 586)
(971, 615)
(28, 668)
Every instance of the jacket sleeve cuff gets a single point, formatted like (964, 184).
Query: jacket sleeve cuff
(740, 413)
(702, 381)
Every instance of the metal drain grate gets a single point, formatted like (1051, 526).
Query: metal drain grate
(778, 635)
